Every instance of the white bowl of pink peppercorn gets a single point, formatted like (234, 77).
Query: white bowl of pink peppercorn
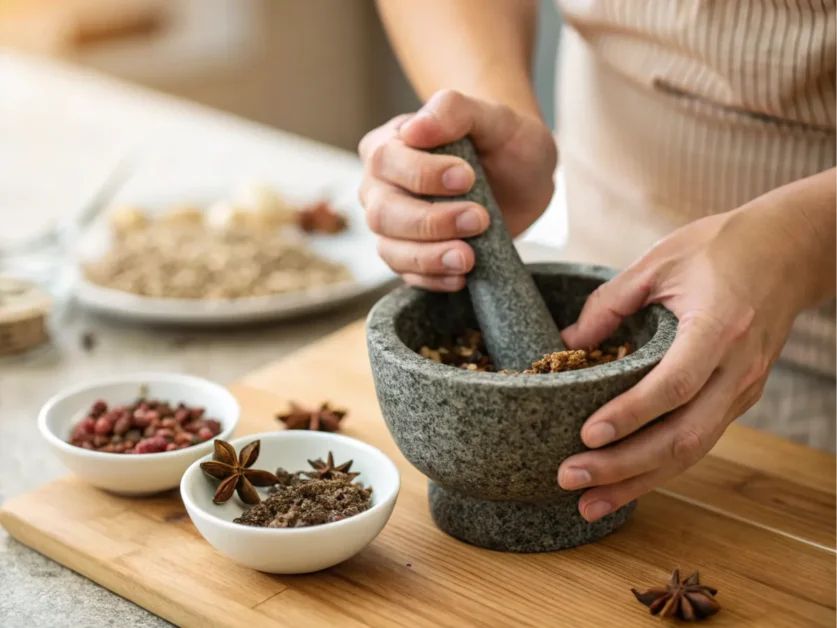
(136, 434)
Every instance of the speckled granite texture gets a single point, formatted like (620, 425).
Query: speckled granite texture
(500, 438)
(518, 526)
(514, 320)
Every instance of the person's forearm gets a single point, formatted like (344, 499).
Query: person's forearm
(795, 228)
(816, 200)
(480, 47)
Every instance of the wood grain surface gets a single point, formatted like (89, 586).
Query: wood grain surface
(756, 517)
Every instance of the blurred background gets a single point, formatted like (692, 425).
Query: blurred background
(320, 68)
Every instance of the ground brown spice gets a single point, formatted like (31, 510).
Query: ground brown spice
(298, 502)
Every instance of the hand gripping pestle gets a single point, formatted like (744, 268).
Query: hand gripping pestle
(515, 322)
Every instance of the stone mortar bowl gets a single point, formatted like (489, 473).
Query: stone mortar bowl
(490, 443)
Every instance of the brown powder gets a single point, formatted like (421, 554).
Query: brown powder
(298, 502)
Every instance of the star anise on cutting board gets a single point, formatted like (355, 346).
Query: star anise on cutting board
(326, 470)
(688, 600)
(236, 473)
(323, 419)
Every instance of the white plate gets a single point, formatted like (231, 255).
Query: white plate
(354, 247)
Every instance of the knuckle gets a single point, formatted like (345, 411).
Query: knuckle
(641, 486)
(449, 98)
(686, 448)
(378, 157)
(631, 420)
(418, 263)
(363, 146)
(757, 370)
(598, 295)
(741, 323)
(430, 227)
(420, 179)
(375, 209)
(678, 388)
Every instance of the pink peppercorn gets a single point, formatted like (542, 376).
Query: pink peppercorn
(213, 425)
(183, 438)
(204, 434)
(100, 407)
(122, 425)
(151, 445)
(103, 425)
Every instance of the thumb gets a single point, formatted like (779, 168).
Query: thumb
(450, 115)
(606, 308)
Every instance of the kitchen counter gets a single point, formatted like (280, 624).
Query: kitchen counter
(68, 127)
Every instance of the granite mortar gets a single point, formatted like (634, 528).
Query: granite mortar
(491, 443)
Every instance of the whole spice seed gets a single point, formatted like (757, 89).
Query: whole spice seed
(688, 600)
(305, 499)
(148, 426)
(236, 474)
(323, 419)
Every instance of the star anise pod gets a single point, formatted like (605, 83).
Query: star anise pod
(688, 600)
(324, 419)
(236, 474)
(321, 217)
(326, 470)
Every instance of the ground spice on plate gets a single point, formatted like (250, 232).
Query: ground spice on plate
(298, 502)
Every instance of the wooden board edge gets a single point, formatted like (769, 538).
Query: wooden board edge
(115, 580)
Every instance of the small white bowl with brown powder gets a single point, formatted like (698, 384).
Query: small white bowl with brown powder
(321, 511)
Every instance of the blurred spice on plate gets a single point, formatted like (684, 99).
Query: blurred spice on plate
(321, 217)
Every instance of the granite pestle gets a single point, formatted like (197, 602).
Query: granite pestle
(515, 322)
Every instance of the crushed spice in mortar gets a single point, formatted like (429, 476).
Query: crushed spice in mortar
(468, 352)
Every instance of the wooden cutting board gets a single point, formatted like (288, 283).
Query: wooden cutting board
(757, 517)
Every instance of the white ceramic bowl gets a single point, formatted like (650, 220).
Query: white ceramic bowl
(294, 550)
(134, 474)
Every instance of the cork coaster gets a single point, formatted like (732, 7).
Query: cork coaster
(23, 312)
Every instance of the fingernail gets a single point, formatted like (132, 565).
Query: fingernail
(456, 179)
(453, 260)
(469, 222)
(597, 510)
(452, 282)
(573, 478)
(599, 434)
